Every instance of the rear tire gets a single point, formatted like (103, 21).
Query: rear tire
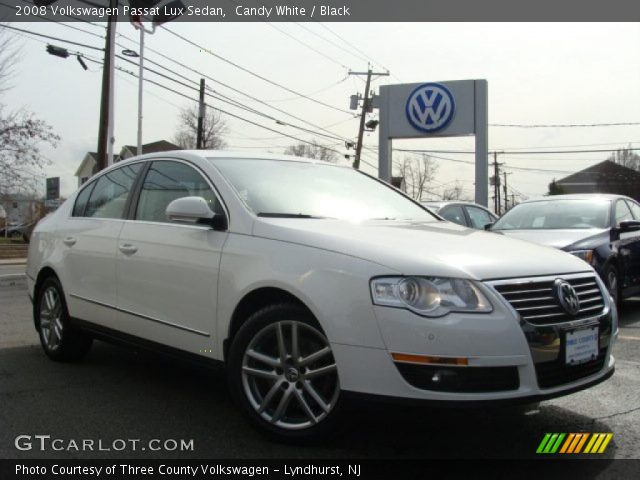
(282, 372)
(59, 340)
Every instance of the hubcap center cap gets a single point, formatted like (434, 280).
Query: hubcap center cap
(292, 374)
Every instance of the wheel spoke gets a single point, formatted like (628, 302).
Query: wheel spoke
(320, 371)
(295, 347)
(49, 300)
(315, 356)
(269, 396)
(266, 359)
(256, 372)
(282, 350)
(315, 395)
(45, 323)
(282, 406)
(52, 337)
(305, 406)
(58, 332)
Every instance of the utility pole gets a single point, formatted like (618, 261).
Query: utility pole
(496, 184)
(201, 113)
(506, 195)
(140, 85)
(105, 127)
(365, 108)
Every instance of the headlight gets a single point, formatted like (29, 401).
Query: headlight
(586, 255)
(429, 296)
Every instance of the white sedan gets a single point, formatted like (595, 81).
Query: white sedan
(313, 283)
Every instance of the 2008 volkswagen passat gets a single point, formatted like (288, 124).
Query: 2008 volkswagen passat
(313, 283)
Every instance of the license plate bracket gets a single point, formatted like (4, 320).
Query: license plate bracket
(581, 345)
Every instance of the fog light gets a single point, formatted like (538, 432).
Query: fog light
(429, 360)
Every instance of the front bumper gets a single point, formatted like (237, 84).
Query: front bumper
(509, 360)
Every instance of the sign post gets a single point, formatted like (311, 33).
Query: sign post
(436, 109)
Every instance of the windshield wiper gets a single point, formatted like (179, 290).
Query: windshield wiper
(286, 215)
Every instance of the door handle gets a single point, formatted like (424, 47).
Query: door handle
(128, 249)
(69, 241)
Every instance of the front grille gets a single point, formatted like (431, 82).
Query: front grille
(552, 374)
(534, 299)
(460, 379)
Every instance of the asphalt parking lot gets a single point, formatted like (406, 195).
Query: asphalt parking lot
(116, 394)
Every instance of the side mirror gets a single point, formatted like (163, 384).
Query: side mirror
(488, 226)
(629, 226)
(195, 210)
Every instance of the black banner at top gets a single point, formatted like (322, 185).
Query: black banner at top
(319, 10)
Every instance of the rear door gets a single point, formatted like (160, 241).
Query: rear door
(634, 249)
(89, 239)
(167, 273)
(628, 246)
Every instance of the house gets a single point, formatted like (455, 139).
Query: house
(88, 165)
(604, 177)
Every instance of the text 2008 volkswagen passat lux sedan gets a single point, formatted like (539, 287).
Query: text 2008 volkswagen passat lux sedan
(313, 283)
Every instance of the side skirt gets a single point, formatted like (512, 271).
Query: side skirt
(131, 341)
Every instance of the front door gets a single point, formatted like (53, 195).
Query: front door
(167, 273)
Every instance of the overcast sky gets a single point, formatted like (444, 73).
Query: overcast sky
(537, 74)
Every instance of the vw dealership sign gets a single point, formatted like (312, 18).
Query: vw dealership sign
(430, 107)
(435, 109)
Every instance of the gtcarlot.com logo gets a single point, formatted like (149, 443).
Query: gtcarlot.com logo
(45, 443)
(574, 443)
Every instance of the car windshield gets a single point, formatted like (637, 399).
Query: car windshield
(555, 215)
(276, 188)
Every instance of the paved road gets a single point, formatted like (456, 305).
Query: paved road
(117, 394)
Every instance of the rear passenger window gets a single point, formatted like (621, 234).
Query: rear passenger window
(81, 201)
(165, 182)
(110, 193)
(453, 214)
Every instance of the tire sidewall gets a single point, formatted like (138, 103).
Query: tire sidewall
(611, 268)
(256, 323)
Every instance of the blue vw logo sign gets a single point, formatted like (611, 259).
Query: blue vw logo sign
(430, 107)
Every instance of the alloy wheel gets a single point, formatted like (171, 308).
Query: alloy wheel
(51, 328)
(289, 375)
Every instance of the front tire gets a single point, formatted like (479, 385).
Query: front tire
(282, 372)
(612, 282)
(59, 340)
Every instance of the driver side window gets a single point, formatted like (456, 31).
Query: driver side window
(622, 212)
(167, 181)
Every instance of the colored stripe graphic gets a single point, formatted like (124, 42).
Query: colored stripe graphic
(573, 443)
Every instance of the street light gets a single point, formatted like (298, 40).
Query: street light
(134, 54)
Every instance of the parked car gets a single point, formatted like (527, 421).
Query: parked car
(602, 230)
(314, 284)
(468, 214)
(17, 231)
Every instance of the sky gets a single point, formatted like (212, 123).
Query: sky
(537, 73)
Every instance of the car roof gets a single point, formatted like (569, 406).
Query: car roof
(578, 196)
(442, 203)
(213, 154)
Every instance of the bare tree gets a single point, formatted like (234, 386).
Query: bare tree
(312, 150)
(21, 134)
(626, 157)
(8, 59)
(418, 173)
(455, 192)
(214, 129)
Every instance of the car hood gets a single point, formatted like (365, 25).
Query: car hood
(554, 238)
(418, 248)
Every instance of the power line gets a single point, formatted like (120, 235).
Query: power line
(254, 74)
(564, 125)
(52, 37)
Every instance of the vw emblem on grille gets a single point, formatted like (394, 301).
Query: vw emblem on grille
(566, 296)
(430, 107)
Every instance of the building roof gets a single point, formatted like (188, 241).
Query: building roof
(608, 171)
(153, 147)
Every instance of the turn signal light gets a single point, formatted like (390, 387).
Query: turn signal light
(429, 360)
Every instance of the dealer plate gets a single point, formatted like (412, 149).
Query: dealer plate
(581, 345)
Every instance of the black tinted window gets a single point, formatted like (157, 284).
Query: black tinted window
(109, 196)
(454, 214)
(479, 217)
(81, 201)
(166, 181)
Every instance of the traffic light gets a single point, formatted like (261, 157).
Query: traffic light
(57, 51)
